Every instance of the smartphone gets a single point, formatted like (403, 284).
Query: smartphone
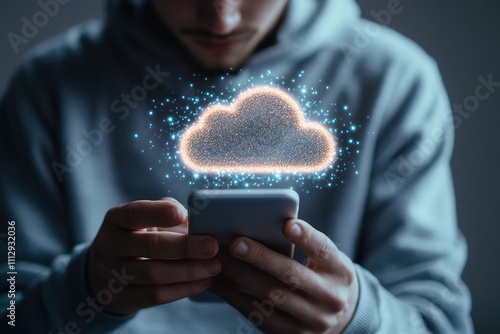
(255, 213)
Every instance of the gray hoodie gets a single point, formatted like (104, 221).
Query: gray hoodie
(91, 120)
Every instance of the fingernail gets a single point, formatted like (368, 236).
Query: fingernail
(295, 231)
(207, 247)
(213, 267)
(241, 249)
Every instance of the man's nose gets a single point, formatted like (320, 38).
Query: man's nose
(225, 16)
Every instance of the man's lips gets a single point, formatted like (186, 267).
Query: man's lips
(218, 44)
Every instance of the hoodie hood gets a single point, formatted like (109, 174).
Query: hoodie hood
(131, 25)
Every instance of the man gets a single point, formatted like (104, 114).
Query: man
(379, 248)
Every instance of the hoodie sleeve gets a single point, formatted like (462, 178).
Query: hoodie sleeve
(50, 293)
(411, 252)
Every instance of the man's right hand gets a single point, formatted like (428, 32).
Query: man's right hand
(148, 240)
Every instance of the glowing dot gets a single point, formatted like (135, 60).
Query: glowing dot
(173, 137)
(170, 119)
(353, 128)
(346, 107)
(151, 112)
(136, 135)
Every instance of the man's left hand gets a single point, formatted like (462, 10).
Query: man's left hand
(280, 295)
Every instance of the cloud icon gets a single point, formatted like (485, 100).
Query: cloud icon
(263, 131)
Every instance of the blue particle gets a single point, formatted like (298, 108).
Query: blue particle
(173, 137)
(196, 175)
(151, 112)
(170, 119)
(353, 128)
(346, 107)
(136, 135)
(350, 141)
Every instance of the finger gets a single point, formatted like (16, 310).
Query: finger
(181, 228)
(171, 271)
(136, 297)
(320, 249)
(165, 245)
(143, 214)
(261, 314)
(283, 268)
(264, 287)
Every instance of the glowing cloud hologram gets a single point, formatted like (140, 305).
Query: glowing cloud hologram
(263, 131)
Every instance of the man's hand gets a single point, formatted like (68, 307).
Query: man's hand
(147, 241)
(279, 294)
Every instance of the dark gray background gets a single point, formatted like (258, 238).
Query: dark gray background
(464, 37)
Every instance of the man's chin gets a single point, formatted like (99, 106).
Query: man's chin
(219, 65)
(219, 62)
